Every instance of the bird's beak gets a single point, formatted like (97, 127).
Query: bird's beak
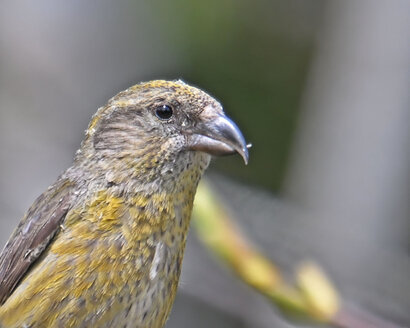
(218, 135)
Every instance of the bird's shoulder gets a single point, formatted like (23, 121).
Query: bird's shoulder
(34, 233)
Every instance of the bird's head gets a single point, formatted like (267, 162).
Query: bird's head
(162, 128)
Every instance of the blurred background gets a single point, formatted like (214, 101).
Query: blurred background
(320, 88)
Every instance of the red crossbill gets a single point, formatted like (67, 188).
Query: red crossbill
(103, 246)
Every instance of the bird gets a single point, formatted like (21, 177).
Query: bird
(103, 245)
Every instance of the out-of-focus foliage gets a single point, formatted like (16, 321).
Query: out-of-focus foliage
(313, 296)
(232, 48)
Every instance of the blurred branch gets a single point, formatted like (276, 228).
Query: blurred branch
(313, 296)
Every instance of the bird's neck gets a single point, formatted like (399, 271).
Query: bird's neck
(171, 176)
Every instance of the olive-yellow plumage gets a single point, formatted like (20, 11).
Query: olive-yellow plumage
(103, 246)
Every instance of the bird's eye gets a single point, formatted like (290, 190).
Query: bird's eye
(164, 112)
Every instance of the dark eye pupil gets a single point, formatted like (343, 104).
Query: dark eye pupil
(164, 112)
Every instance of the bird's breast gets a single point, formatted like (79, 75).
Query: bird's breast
(115, 262)
(150, 303)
